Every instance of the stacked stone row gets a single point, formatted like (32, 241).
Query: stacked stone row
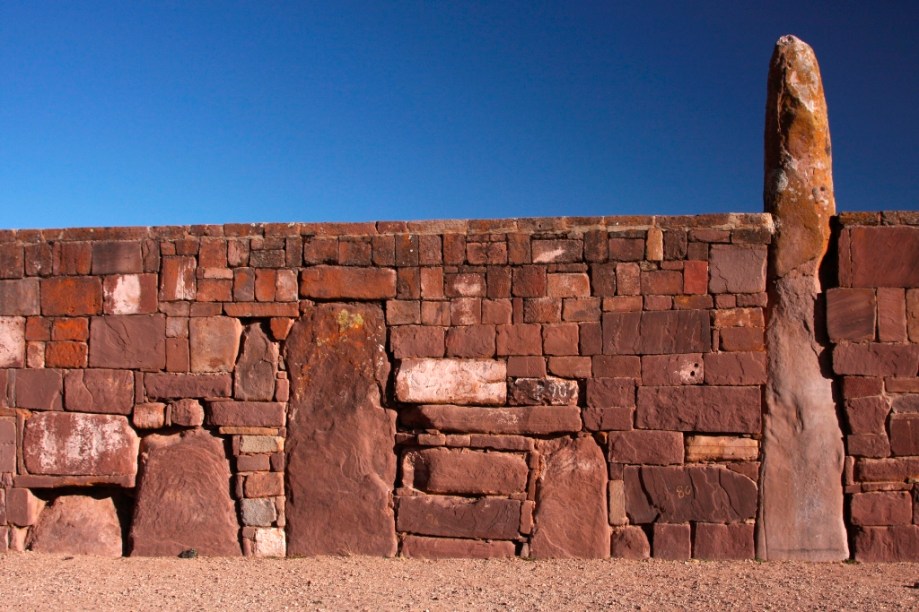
(873, 322)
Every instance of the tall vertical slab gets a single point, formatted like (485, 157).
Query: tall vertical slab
(801, 509)
(341, 467)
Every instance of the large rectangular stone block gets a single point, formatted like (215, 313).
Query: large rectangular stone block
(690, 493)
(12, 342)
(884, 256)
(71, 296)
(667, 332)
(128, 341)
(245, 414)
(19, 297)
(459, 517)
(452, 381)
(99, 390)
(462, 472)
(334, 282)
(178, 386)
(470, 419)
(876, 359)
(700, 408)
(421, 547)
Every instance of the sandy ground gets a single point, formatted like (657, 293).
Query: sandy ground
(30, 581)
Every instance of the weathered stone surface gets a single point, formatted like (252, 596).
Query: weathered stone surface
(75, 444)
(258, 512)
(177, 281)
(128, 341)
(881, 508)
(270, 543)
(149, 415)
(186, 413)
(99, 390)
(439, 470)
(78, 525)
(699, 408)
(887, 544)
(335, 283)
(71, 296)
(472, 419)
(621, 333)
(340, 464)
(245, 414)
(912, 314)
(548, 391)
(40, 389)
(876, 359)
(452, 381)
(646, 447)
(691, 493)
(672, 541)
(883, 256)
(116, 257)
(630, 542)
(574, 475)
(12, 342)
(667, 332)
(904, 434)
(257, 366)
(867, 415)
(735, 368)
(19, 297)
(420, 547)
(722, 542)
(737, 268)
(721, 448)
(459, 517)
(22, 508)
(214, 343)
(170, 386)
(416, 341)
(8, 445)
(686, 369)
(609, 392)
(127, 294)
(900, 469)
(183, 498)
(892, 315)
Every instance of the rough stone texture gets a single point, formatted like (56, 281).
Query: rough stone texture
(99, 390)
(258, 363)
(340, 464)
(12, 342)
(183, 498)
(883, 256)
(459, 517)
(128, 341)
(876, 359)
(169, 386)
(672, 541)
(698, 408)
(538, 420)
(245, 414)
(127, 294)
(691, 493)
(630, 542)
(19, 297)
(270, 543)
(574, 475)
(439, 470)
(886, 544)
(259, 512)
(336, 283)
(186, 413)
(420, 547)
(22, 508)
(548, 391)
(674, 331)
(881, 508)
(40, 389)
(78, 525)
(149, 415)
(737, 269)
(71, 296)
(801, 513)
(904, 434)
(214, 343)
(735, 368)
(76, 444)
(646, 447)
(452, 381)
(672, 369)
(721, 448)
(723, 542)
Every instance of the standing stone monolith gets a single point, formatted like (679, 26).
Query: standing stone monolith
(801, 509)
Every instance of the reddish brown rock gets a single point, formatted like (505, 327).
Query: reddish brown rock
(867, 414)
(607, 418)
(19, 297)
(737, 268)
(98, 390)
(674, 331)
(557, 251)
(646, 447)
(459, 517)
(621, 333)
(868, 445)
(883, 256)
(7, 445)
(912, 314)
(892, 315)
(881, 508)
(78, 525)
(720, 448)
(177, 281)
(214, 343)
(735, 368)
(549, 391)
(420, 547)
(802, 439)
(630, 542)
(540, 420)
(245, 414)
(439, 470)
(471, 341)
(129, 341)
(691, 493)
(117, 257)
(900, 469)
(672, 369)
(416, 341)
(340, 464)
(672, 541)
(41, 389)
(333, 282)
(573, 475)
(183, 498)
(74, 444)
(254, 376)
(607, 392)
(699, 408)
(523, 339)
(12, 342)
(723, 542)
(876, 359)
(126, 294)
(444, 381)
(71, 296)
(887, 544)
(904, 434)
(22, 508)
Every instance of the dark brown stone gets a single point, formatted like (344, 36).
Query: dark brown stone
(735, 368)
(675, 331)
(332, 282)
(904, 434)
(128, 341)
(539, 420)
(884, 256)
(892, 315)
(459, 517)
(851, 314)
(117, 257)
(672, 541)
(646, 447)
(78, 525)
(876, 359)
(75, 444)
(420, 547)
(887, 544)
(439, 470)
(881, 508)
(254, 376)
(573, 475)
(700, 408)
(340, 464)
(630, 542)
(19, 297)
(691, 493)
(98, 390)
(183, 498)
(178, 386)
(723, 542)
(41, 389)
(548, 391)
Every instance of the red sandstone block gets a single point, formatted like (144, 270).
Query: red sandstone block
(265, 282)
(40, 389)
(616, 366)
(868, 445)
(542, 310)
(912, 314)
(590, 338)
(742, 339)
(403, 312)
(245, 414)
(884, 256)
(672, 541)
(178, 356)
(739, 317)
(213, 253)
(177, 386)
(454, 249)
(737, 269)
(465, 311)
(721, 542)
(626, 249)
(459, 517)
(435, 313)
(518, 249)
(471, 341)
(687, 369)
(286, 289)
(699, 408)
(318, 250)
(244, 284)
(621, 333)
(443, 471)
(214, 290)
(737, 368)
(70, 329)
(886, 470)
(264, 484)
(891, 315)
(627, 303)
(851, 314)
(406, 250)
(253, 463)
(596, 246)
(464, 285)
(19, 297)
(677, 331)
(887, 544)
(556, 251)
(876, 359)
(72, 258)
(529, 281)
(570, 284)
(628, 277)
(497, 312)
(539, 420)
(498, 282)
(11, 261)
(417, 341)
(901, 385)
(646, 447)
(695, 277)
(570, 367)
(66, 355)
(581, 309)
(432, 283)
(604, 392)
(519, 340)
(629, 542)
(71, 296)
(603, 279)
(661, 282)
(177, 280)
(904, 434)
(526, 367)
(117, 257)
(355, 252)
(658, 302)
(430, 251)
(607, 418)
(560, 339)
(408, 283)
(384, 250)
(692, 302)
(419, 547)
(881, 508)
(862, 386)
(333, 282)
(261, 309)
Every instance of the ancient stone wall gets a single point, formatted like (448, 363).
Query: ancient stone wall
(570, 387)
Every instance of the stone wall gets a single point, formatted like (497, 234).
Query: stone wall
(570, 387)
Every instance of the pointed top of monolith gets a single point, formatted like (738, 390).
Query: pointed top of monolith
(798, 187)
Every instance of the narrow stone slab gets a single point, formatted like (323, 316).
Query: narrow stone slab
(183, 498)
(343, 282)
(257, 366)
(571, 517)
(472, 419)
(421, 547)
(76, 444)
(245, 414)
(340, 462)
(439, 470)
(544, 391)
(181, 386)
(700, 408)
(452, 381)
(78, 525)
(459, 517)
(721, 448)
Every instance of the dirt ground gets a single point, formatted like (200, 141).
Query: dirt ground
(30, 581)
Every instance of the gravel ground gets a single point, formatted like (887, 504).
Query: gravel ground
(31, 581)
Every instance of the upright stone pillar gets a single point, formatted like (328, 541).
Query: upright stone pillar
(801, 496)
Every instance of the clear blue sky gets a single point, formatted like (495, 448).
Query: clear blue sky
(149, 113)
